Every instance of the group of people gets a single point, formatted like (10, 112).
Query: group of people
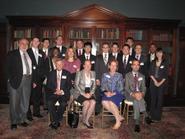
(60, 74)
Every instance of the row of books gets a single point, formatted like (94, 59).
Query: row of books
(136, 34)
(108, 33)
(27, 33)
(51, 33)
(162, 37)
(79, 34)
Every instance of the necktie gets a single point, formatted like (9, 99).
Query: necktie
(137, 57)
(58, 80)
(26, 63)
(80, 52)
(87, 57)
(105, 59)
(135, 83)
(125, 62)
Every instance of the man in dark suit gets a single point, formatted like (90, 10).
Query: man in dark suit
(37, 58)
(150, 57)
(19, 70)
(125, 61)
(58, 88)
(79, 48)
(59, 45)
(115, 50)
(101, 67)
(45, 47)
(130, 42)
(141, 58)
(87, 55)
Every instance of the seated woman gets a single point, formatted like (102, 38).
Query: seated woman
(85, 87)
(112, 88)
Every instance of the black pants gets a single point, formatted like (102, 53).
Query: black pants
(156, 101)
(36, 96)
(56, 111)
(98, 96)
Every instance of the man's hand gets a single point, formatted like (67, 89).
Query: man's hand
(59, 92)
(138, 95)
(34, 85)
(98, 82)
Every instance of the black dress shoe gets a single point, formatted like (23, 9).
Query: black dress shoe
(137, 128)
(54, 125)
(88, 126)
(24, 124)
(37, 115)
(148, 120)
(13, 127)
(30, 118)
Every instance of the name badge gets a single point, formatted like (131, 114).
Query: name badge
(92, 62)
(108, 76)
(92, 79)
(162, 67)
(64, 77)
(74, 66)
(34, 67)
(140, 79)
(63, 55)
(130, 62)
(141, 63)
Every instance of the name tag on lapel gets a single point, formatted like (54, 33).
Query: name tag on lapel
(107, 76)
(92, 62)
(63, 55)
(161, 66)
(74, 66)
(64, 77)
(140, 79)
(141, 63)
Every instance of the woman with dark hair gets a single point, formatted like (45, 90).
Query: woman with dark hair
(158, 75)
(112, 88)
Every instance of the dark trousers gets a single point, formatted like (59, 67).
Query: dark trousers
(56, 112)
(156, 101)
(98, 96)
(36, 96)
(19, 100)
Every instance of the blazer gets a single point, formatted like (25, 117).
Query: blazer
(130, 86)
(92, 59)
(143, 64)
(121, 65)
(65, 83)
(80, 83)
(118, 55)
(14, 68)
(38, 70)
(78, 56)
(100, 66)
(163, 70)
(62, 53)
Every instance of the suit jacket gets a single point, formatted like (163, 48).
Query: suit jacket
(38, 71)
(121, 65)
(143, 64)
(65, 83)
(163, 70)
(100, 66)
(78, 56)
(92, 59)
(62, 53)
(14, 68)
(130, 86)
(80, 82)
(118, 55)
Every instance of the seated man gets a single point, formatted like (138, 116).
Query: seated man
(135, 90)
(58, 86)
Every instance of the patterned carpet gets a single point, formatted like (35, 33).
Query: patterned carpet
(172, 126)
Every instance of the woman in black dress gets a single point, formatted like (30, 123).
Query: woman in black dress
(158, 75)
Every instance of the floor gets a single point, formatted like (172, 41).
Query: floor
(172, 126)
